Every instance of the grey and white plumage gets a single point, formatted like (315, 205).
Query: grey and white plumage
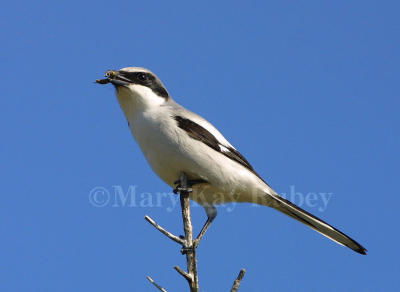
(175, 140)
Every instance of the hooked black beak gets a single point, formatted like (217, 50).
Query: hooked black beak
(115, 78)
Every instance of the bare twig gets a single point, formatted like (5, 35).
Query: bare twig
(155, 284)
(163, 231)
(188, 248)
(236, 283)
(188, 244)
(187, 276)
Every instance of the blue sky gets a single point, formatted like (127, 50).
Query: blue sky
(308, 91)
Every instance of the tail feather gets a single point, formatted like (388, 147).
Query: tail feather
(315, 223)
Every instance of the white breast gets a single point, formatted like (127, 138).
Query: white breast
(170, 151)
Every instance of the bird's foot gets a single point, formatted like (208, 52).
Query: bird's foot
(192, 248)
(187, 189)
(179, 189)
(196, 243)
(186, 250)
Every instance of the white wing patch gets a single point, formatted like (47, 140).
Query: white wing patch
(223, 148)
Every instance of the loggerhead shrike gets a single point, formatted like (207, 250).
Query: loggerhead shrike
(175, 140)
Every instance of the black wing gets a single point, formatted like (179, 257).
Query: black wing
(197, 132)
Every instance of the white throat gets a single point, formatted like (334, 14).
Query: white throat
(137, 99)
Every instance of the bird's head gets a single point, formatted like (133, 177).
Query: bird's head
(137, 86)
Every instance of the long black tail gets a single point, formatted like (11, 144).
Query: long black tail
(315, 223)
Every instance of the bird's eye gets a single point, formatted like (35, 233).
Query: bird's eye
(142, 77)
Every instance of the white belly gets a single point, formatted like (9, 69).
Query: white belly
(170, 151)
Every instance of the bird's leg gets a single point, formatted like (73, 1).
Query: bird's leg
(211, 214)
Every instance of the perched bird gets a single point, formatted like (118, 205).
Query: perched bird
(175, 140)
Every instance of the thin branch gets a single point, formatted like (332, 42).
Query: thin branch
(163, 231)
(189, 249)
(236, 283)
(155, 284)
(188, 244)
(187, 276)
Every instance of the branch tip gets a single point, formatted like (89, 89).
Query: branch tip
(236, 283)
(155, 284)
(171, 236)
(187, 276)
